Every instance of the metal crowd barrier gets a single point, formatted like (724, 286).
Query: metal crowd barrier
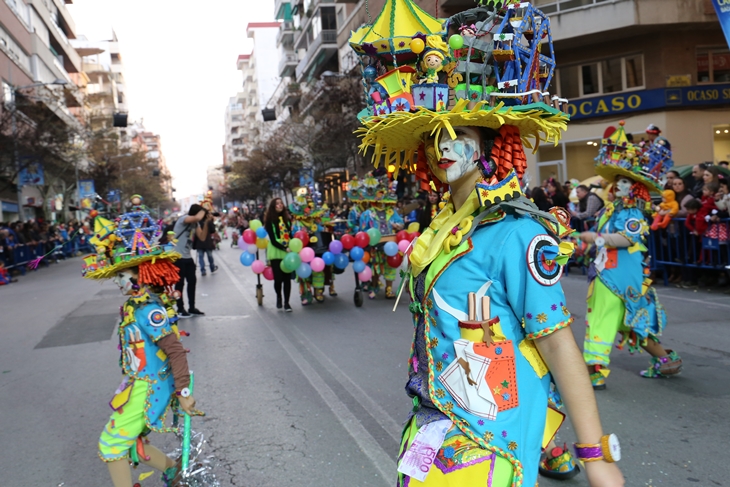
(22, 255)
(674, 246)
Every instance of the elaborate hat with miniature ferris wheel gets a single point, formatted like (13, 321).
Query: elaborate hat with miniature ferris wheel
(131, 240)
(647, 164)
(495, 76)
(370, 190)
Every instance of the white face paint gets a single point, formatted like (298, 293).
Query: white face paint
(123, 279)
(459, 155)
(623, 186)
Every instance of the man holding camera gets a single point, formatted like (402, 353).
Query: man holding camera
(185, 227)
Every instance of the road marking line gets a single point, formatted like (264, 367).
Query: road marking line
(384, 419)
(382, 462)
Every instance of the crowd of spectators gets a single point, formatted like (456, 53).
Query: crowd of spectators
(44, 238)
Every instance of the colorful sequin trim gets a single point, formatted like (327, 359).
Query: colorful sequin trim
(547, 331)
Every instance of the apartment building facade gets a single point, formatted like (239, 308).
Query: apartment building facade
(37, 66)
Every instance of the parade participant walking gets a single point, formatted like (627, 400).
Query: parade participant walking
(620, 296)
(309, 218)
(278, 225)
(491, 322)
(129, 253)
(376, 194)
(185, 227)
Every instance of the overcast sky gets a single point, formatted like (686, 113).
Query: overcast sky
(180, 62)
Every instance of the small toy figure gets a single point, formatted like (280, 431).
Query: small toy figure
(433, 59)
(667, 210)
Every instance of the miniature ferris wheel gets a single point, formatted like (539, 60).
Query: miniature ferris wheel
(519, 66)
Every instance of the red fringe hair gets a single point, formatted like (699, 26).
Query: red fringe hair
(162, 273)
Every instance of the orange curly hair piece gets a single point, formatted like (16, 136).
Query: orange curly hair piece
(508, 153)
(161, 273)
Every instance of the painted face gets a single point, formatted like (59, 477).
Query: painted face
(623, 186)
(458, 156)
(123, 279)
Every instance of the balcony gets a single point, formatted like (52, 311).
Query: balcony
(319, 51)
(287, 64)
(286, 33)
(292, 95)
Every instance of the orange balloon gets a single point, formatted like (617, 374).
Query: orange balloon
(366, 257)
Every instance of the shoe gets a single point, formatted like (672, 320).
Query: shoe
(319, 294)
(598, 380)
(371, 295)
(666, 366)
(202, 273)
(196, 312)
(287, 308)
(215, 268)
(561, 466)
(183, 314)
(333, 293)
(278, 303)
(389, 294)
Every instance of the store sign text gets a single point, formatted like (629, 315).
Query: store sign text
(649, 100)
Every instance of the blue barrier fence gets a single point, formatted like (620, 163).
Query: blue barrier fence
(21, 255)
(676, 247)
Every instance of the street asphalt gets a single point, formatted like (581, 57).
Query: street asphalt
(315, 397)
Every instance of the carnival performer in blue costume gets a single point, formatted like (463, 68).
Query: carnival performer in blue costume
(312, 219)
(491, 326)
(620, 296)
(153, 360)
(381, 214)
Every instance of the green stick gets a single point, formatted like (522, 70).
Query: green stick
(186, 432)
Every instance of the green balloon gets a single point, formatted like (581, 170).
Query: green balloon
(295, 245)
(292, 261)
(255, 224)
(456, 41)
(374, 235)
(284, 267)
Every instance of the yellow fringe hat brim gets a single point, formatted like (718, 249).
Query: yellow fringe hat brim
(110, 271)
(396, 137)
(609, 173)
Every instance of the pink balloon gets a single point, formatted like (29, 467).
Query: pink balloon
(365, 275)
(403, 245)
(249, 236)
(307, 254)
(258, 266)
(317, 264)
(269, 273)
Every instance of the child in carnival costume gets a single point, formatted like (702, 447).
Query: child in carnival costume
(153, 360)
(354, 196)
(620, 296)
(380, 202)
(491, 327)
(310, 218)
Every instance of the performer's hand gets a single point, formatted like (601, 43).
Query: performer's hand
(187, 404)
(603, 474)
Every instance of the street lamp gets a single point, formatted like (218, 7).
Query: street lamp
(14, 119)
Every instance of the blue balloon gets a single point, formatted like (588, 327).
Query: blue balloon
(341, 261)
(247, 258)
(390, 249)
(304, 270)
(329, 258)
(261, 232)
(358, 266)
(357, 253)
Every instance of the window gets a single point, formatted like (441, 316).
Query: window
(610, 75)
(569, 82)
(713, 65)
(329, 18)
(590, 79)
(7, 93)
